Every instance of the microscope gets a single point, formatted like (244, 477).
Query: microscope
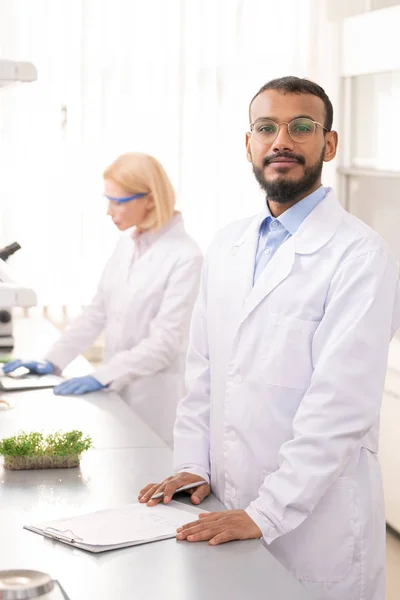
(11, 294)
(6, 337)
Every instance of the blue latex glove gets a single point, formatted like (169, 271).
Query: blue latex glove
(77, 386)
(41, 368)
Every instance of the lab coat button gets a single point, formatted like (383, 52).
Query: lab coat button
(238, 379)
(233, 493)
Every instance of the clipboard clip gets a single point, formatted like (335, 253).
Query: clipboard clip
(59, 534)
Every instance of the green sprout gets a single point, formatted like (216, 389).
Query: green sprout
(34, 450)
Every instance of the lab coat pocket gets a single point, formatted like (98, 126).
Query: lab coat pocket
(287, 351)
(322, 548)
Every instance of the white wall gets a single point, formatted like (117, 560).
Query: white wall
(170, 78)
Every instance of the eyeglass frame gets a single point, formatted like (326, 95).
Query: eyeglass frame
(287, 123)
(126, 199)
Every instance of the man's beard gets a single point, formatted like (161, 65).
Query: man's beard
(286, 190)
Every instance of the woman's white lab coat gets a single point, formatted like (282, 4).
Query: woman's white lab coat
(285, 382)
(144, 305)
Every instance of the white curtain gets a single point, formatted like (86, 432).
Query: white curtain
(172, 78)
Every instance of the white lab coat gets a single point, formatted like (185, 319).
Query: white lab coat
(144, 306)
(284, 382)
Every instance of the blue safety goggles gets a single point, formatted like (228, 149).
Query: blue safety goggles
(127, 199)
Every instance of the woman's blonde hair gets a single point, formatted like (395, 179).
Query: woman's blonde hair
(136, 173)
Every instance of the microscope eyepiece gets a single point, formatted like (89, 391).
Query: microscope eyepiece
(7, 251)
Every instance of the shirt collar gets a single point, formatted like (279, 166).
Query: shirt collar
(292, 218)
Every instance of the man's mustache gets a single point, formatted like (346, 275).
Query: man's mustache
(269, 159)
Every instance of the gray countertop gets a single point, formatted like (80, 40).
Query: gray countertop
(127, 455)
(168, 569)
(103, 415)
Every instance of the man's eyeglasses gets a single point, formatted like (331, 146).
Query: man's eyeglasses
(300, 130)
(126, 199)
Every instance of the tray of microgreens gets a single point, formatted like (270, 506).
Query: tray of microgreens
(34, 450)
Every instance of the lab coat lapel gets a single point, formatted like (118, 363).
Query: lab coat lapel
(243, 255)
(316, 230)
(274, 273)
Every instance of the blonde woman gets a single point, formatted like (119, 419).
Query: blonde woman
(144, 299)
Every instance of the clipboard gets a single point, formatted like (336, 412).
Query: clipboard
(117, 528)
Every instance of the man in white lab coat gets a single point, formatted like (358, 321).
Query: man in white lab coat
(287, 363)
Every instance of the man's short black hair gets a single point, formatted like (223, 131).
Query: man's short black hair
(296, 85)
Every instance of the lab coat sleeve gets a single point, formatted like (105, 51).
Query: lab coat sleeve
(82, 332)
(342, 403)
(191, 431)
(166, 333)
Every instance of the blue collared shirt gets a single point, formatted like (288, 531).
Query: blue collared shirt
(274, 232)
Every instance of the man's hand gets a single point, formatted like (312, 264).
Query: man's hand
(169, 487)
(220, 527)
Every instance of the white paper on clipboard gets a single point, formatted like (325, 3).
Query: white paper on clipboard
(120, 527)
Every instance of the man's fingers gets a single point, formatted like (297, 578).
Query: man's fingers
(200, 530)
(146, 489)
(221, 538)
(150, 491)
(168, 488)
(171, 487)
(220, 527)
(183, 534)
(212, 531)
(200, 493)
(187, 526)
(200, 536)
(153, 502)
(203, 522)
